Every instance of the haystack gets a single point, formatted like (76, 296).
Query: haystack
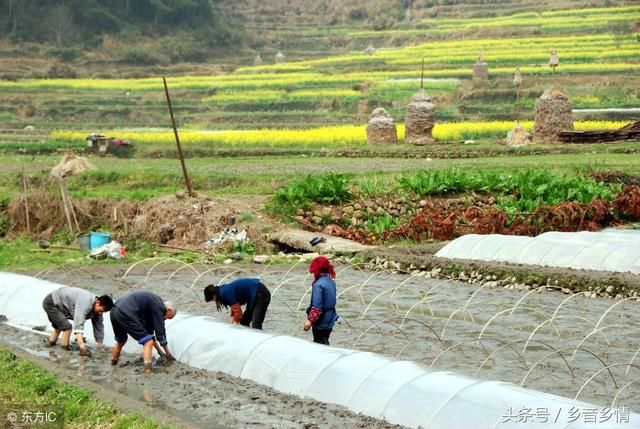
(370, 50)
(280, 58)
(381, 129)
(69, 165)
(258, 60)
(363, 108)
(420, 120)
(552, 115)
(480, 70)
(518, 136)
(517, 76)
(554, 61)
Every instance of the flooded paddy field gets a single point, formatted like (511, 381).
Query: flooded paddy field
(569, 345)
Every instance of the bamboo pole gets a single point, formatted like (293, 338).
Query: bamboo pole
(26, 201)
(71, 209)
(175, 132)
(64, 204)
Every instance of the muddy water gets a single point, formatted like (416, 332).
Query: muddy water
(200, 399)
(544, 340)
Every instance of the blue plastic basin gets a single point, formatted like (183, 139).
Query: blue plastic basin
(99, 239)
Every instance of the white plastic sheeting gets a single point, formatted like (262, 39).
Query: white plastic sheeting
(399, 391)
(609, 250)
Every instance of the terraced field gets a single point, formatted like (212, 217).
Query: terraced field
(599, 68)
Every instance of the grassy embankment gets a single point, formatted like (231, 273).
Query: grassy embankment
(27, 387)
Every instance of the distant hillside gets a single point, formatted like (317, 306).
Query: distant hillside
(135, 38)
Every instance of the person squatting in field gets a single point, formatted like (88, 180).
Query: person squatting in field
(321, 313)
(249, 291)
(79, 305)
(141, 314)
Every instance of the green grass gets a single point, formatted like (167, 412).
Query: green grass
(22, 254)
(141, 179)
(26, 386)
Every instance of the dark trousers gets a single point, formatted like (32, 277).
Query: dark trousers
(321, 336)
(256, 313)
(124, 324)
(55, 315)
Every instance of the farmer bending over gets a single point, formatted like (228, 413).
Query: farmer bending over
(240, 292)
(141, 314)
(321, 313)
(79, 305)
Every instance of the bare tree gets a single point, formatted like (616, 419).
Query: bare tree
(60, 24)
(13, 13)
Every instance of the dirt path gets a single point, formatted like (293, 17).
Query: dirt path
(184, 396)
(14, 341)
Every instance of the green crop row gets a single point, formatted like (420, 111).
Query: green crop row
(517, 192)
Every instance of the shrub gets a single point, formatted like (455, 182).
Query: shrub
(63, 71)
(141, 55)
(65, 54)
(4, 216)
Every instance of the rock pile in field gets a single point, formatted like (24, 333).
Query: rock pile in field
(381, 129)
(258, 60)
(420, 120)
(480, 70)
(69, 165)
(518, 136)
(370, 50)
(552, 115)
(280, 58)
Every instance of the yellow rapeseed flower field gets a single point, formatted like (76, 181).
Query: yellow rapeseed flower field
(336, 136)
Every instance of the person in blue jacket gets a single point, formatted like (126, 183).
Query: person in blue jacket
(244, 291)
(141, 314)
(321, 313)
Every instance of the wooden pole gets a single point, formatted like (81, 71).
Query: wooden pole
(175, 132)
(64, 203)
(70, 203)
(26, 201)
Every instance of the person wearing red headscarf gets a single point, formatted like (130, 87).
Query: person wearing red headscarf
(321, 313)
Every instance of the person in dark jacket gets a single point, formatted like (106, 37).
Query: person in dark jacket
(79, 305)
(141, 314)
(321, 313)
(239, 292)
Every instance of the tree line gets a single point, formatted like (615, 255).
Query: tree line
(65, 21)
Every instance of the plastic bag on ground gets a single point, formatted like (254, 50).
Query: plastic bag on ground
(113, 249)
